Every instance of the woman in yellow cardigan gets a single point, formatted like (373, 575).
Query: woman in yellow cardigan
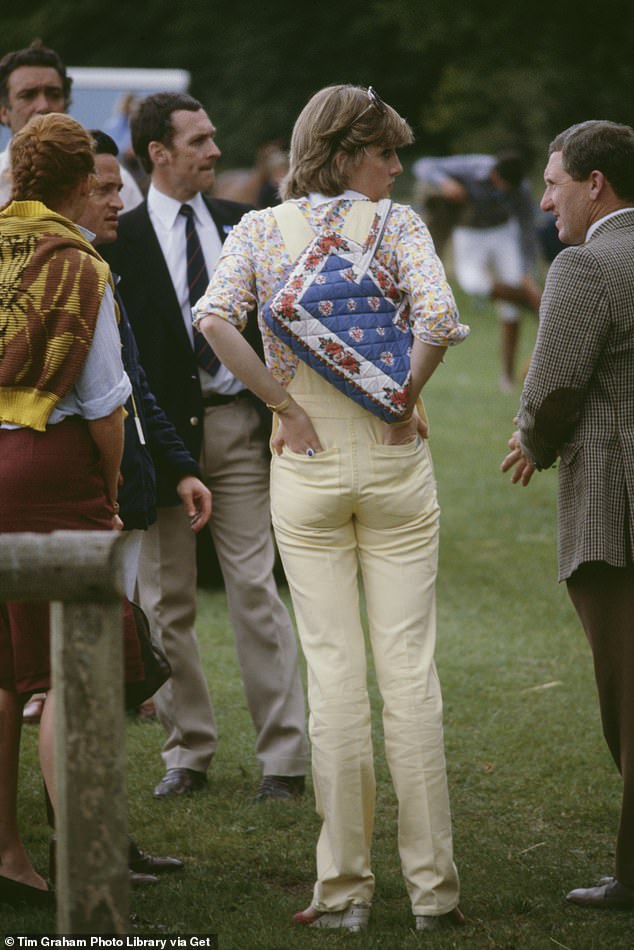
(62, 389)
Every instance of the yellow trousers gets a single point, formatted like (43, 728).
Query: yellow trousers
(363, 505)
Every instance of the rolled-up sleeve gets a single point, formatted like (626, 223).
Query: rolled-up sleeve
(103, 383)
(433, 312)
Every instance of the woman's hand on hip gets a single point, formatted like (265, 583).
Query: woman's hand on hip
(400, 433)
(296, 431)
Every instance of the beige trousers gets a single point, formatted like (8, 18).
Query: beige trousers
(235, 466)
(362, 504)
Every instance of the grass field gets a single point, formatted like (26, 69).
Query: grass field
(534, 794)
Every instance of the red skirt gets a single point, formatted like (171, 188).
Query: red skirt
(49, 481)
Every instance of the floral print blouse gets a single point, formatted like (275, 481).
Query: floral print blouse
(254, 263)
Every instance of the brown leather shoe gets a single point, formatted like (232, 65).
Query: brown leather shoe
(179, 782)
(609, 895)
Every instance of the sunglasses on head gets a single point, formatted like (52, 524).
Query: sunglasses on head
(375, 101)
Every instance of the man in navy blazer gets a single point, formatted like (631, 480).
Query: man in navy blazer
(223, 429)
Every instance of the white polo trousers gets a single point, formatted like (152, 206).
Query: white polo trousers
(360, 503)
(484, 255)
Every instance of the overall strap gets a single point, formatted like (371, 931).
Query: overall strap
(294, 228)
(297, 232)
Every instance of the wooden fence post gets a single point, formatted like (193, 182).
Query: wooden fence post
(81, 573)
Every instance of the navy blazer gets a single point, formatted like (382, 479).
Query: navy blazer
(166, 353)
(162, 445)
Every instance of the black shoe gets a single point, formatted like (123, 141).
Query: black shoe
(15, 893)
(141, 863)
(455, 917)
(143, 868)
(179, 782)
(280, 787)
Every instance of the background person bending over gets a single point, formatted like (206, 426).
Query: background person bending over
(494, 242)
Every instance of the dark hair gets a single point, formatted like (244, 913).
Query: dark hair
(599, 145)
(511, 167)
(151, 121)
(49, 157)
(34, 55)
(104, 143)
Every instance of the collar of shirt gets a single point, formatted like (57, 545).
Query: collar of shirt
(5, 177)
(166, 209)
(169, 226)
(89, 235)
(316, 198)
(606, 217)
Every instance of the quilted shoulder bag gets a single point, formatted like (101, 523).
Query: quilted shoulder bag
(341, 311)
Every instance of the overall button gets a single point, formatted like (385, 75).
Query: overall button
(194, 421)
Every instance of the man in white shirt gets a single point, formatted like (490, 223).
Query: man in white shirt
(221, 425)
(34, 81)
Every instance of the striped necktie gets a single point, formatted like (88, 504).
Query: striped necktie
(197, 280)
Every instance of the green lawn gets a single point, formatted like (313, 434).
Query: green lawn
(535, 796)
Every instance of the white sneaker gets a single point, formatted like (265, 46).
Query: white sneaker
(354, 918)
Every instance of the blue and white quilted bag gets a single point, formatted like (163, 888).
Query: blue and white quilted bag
(342, 313)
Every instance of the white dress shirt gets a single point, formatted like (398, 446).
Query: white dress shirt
(169, 226)
(605, 217)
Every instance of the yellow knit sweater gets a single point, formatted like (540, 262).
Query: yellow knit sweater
(52, 282)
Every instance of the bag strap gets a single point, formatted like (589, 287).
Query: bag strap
(383, 209)
(297, 232)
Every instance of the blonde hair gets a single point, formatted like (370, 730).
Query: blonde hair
(50, 155)
(330, 134)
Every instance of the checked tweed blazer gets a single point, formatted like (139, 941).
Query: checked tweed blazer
(578, 397)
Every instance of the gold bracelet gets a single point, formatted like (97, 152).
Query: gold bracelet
(281, 406)
(402, 422)
(115, 507)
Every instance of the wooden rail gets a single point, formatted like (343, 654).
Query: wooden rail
(81, 573)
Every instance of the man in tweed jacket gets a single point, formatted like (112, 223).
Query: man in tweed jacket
(577, 405)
